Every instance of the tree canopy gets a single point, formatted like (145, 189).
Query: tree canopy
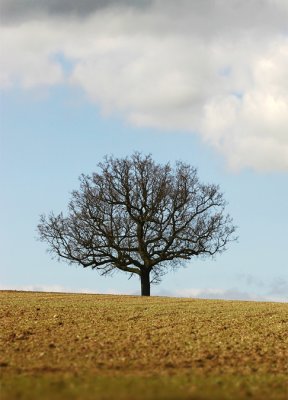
(140, 217)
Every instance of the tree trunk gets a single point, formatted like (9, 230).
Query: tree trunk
(145, 283)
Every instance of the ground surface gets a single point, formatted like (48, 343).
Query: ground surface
(71, 346)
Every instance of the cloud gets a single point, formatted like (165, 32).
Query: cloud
(251, 280)
(216, 293)
(17, 10)
(46, 288)
(279, 287)
(214, 68)
(225, 294)
(277, 293)
(62, 289)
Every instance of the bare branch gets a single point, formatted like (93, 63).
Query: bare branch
(139, 217)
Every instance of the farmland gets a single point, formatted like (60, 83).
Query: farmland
(74, 346)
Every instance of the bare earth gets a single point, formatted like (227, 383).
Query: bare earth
(105, 347)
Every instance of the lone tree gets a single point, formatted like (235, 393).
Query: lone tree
(139, 217)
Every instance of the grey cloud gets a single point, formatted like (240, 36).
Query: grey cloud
(204, 18)
(251, 280)
(17, 10)
(216, 18)
(279, 287)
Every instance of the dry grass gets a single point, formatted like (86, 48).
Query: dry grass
(77, 346)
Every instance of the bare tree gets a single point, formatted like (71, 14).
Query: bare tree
(139, 217)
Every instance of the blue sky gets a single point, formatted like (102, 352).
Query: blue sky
(68, 105)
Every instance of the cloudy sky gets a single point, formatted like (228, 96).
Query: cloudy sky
(204, 81)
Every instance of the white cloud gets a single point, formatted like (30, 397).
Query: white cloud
(61, 289)
(46, 288)
(277, 292)
(225, 294)
(208, 67)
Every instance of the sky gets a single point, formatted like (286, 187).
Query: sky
(205, 82)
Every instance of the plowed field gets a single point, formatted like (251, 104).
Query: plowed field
(73, 346)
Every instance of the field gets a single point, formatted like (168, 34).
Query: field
(105, 347)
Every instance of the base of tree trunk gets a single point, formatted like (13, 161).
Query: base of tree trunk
(145, 284)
